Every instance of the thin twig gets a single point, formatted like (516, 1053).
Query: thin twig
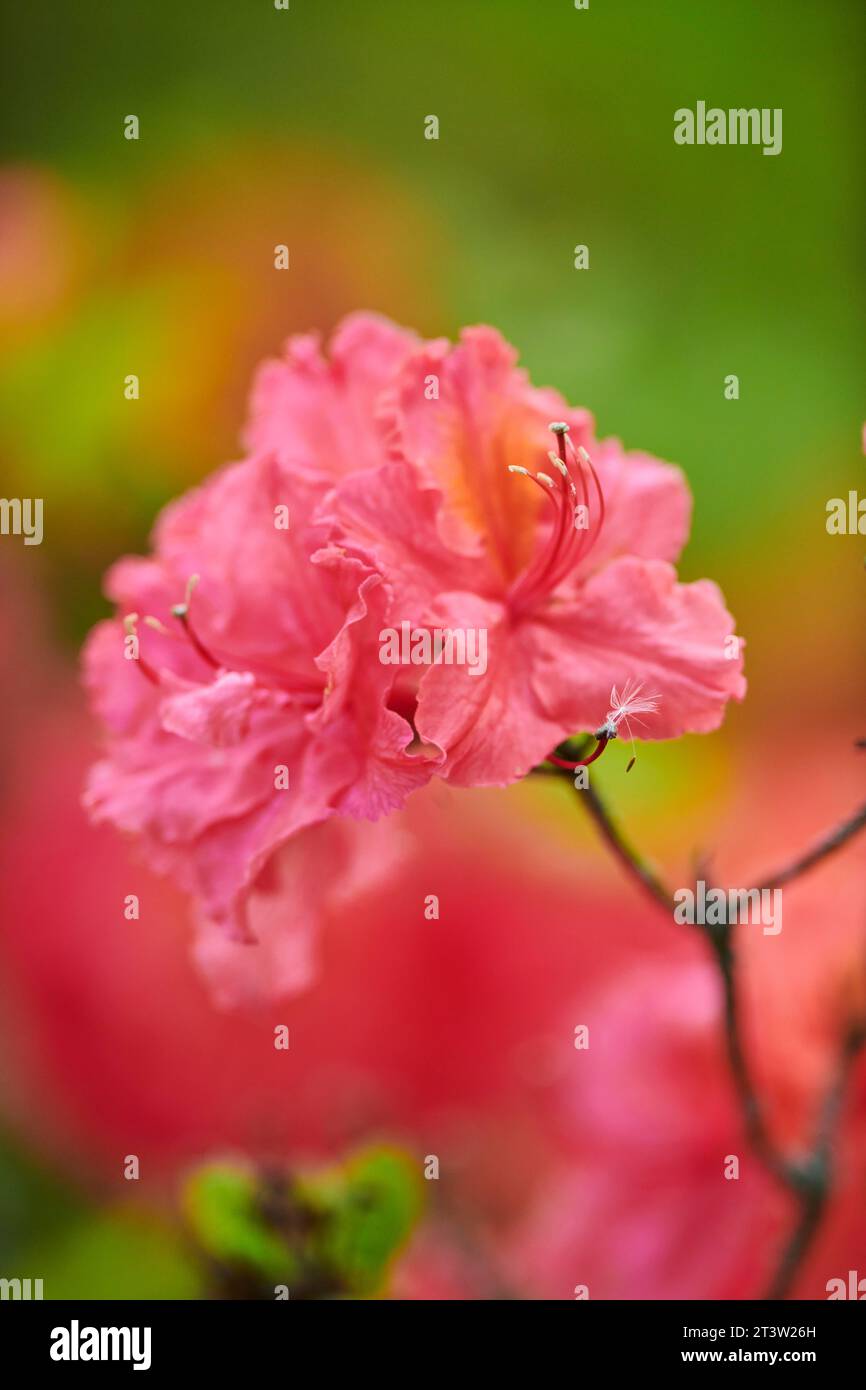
(720, 940)
(813, 1179)
(822, 849)
(632, 862)
(810, 1180)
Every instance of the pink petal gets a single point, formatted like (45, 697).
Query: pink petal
(647, 506)
(310, 877)
(486, 417)
(394, 514)
(551, 676)
(218, 713)
(371, 740)
(317, 415)
(633, 620)
(491, 727)
(252, 571)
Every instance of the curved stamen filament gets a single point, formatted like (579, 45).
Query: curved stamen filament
(129, 627)
(302, 685)
(181, 612)
(571, 499)
(624, 708)
(603, 740)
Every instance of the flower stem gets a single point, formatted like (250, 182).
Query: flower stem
(633, 863)
(808, 1180)
(822, 849)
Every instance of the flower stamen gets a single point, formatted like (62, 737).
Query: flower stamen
(572, 537)
(624, 708)
(130, 622)
(181, 612)
(603, 740)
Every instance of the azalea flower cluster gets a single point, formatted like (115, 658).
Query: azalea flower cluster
(393, 481)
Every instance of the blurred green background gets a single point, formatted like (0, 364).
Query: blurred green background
(305, 126)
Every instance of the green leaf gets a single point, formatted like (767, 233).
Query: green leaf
(333, 1232)
(373, 1202)
(223, 1205)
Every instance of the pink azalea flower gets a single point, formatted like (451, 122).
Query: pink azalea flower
(393, 464)
(264, 711)
(571, 579)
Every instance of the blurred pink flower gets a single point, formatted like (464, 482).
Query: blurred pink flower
(116, 1042)
(619, 1159)
(645, 1208)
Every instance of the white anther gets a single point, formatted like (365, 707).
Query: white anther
(558, 463)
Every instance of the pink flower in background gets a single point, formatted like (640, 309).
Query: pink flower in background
(381, 491)
(565, 1166)
(645, 1209)
(116, 1036)
(648, 1206)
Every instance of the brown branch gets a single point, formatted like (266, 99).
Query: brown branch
(810, 1180)
(822, 849)
(720, 940)
(634, 865)
(813, 1180)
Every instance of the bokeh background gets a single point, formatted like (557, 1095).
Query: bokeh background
(306, 127)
